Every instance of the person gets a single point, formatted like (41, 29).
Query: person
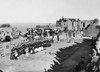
(52, 40)
(45, 70)
(52, 34)
(26, 51)
(57, 37)
(78, 68)
(13, 55)
(31, 50)
(90, 67)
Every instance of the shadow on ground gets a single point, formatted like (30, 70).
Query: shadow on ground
(68, 57)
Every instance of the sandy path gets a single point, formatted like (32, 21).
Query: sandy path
(36, 62)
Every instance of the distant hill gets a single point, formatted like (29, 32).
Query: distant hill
(23, 26)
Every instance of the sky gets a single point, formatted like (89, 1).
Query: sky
(47, 11)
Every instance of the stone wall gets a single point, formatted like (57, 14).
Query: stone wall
(77, 25)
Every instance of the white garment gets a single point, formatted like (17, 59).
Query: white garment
(38, 49)
(98, 46)
(69, 23)
(26, 51)
(31, 51)
(16, 54)
(36, 37)
(95, 58)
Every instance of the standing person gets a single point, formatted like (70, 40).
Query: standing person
(57, 37)
(69, 36)
(26, 51)
(78, 28)
(45, 70)
(16, 55)
(89, 68)
(52, 37)
(74, 28)
(74, 34)
(32, 31)
(66, 32)
(57, 34)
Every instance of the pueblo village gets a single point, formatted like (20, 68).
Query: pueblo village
(69, 45)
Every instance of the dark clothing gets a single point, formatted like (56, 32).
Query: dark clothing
(70, 33)
(78, 68)
(57, 37)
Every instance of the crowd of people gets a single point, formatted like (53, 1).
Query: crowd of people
(48, 32)
(29, 48)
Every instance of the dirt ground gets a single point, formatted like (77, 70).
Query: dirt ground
(69, 64)
(36, 62)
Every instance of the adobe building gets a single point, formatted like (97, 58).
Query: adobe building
(5, 33)
(15, 32)
(77, 26)
(5, 49)
(70, 24)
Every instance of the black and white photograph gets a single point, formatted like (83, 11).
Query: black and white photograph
(49, 35)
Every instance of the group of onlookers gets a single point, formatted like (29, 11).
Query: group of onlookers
(29, 48)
